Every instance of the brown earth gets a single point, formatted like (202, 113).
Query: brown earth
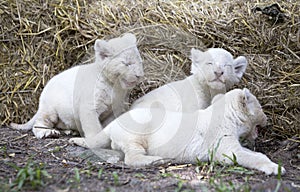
(70, 173)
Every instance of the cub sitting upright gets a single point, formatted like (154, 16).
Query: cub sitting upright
(80, 97)
(213, 71)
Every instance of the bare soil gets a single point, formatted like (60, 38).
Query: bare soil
(71, 173)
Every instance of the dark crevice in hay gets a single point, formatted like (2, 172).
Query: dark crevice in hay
(39, 40)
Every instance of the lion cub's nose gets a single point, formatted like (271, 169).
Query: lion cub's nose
(219, 73)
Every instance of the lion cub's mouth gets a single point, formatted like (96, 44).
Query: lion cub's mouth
(129, 83)
(254, 133)
(218, 80)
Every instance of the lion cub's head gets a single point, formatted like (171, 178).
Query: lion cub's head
(249, 111)
(120, 60)
(218, 67)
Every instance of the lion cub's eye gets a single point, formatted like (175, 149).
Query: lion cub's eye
(209, 63)
(126, 63)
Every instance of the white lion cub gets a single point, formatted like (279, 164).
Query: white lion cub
(213, 72)
(144, 134)
(83, 96)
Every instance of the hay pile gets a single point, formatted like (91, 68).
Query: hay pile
(38, 40)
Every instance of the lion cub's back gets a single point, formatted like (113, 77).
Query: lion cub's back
(60, 87)
(160, 132)
(173, 96)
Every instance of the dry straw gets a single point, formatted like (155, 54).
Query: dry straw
(39, 39)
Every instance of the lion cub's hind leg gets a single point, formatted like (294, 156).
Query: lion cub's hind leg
(136, 156)
(45, 132)
(44, 124)
(80, 141)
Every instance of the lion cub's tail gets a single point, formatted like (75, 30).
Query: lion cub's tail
(24, 127)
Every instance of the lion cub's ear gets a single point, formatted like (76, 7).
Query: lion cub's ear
(240, 65)
(129, 38)
(196, 56)
(102, 49)
(247, 100)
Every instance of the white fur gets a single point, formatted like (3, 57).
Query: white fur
(213, 72)
(196, 91)
(187, 136)
(76, 98)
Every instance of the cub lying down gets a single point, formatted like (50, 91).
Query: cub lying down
(213, 72)
(150, 135)
(82, 97)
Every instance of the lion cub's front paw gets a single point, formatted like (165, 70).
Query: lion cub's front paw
(272, 168)
(80, 141)
(44, 132)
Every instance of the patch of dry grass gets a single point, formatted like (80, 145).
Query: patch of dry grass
(39, 39)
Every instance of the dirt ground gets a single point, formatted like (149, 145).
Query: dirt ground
(21, 151)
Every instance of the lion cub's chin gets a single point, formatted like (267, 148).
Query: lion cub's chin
(217, 84)
(128, 84)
